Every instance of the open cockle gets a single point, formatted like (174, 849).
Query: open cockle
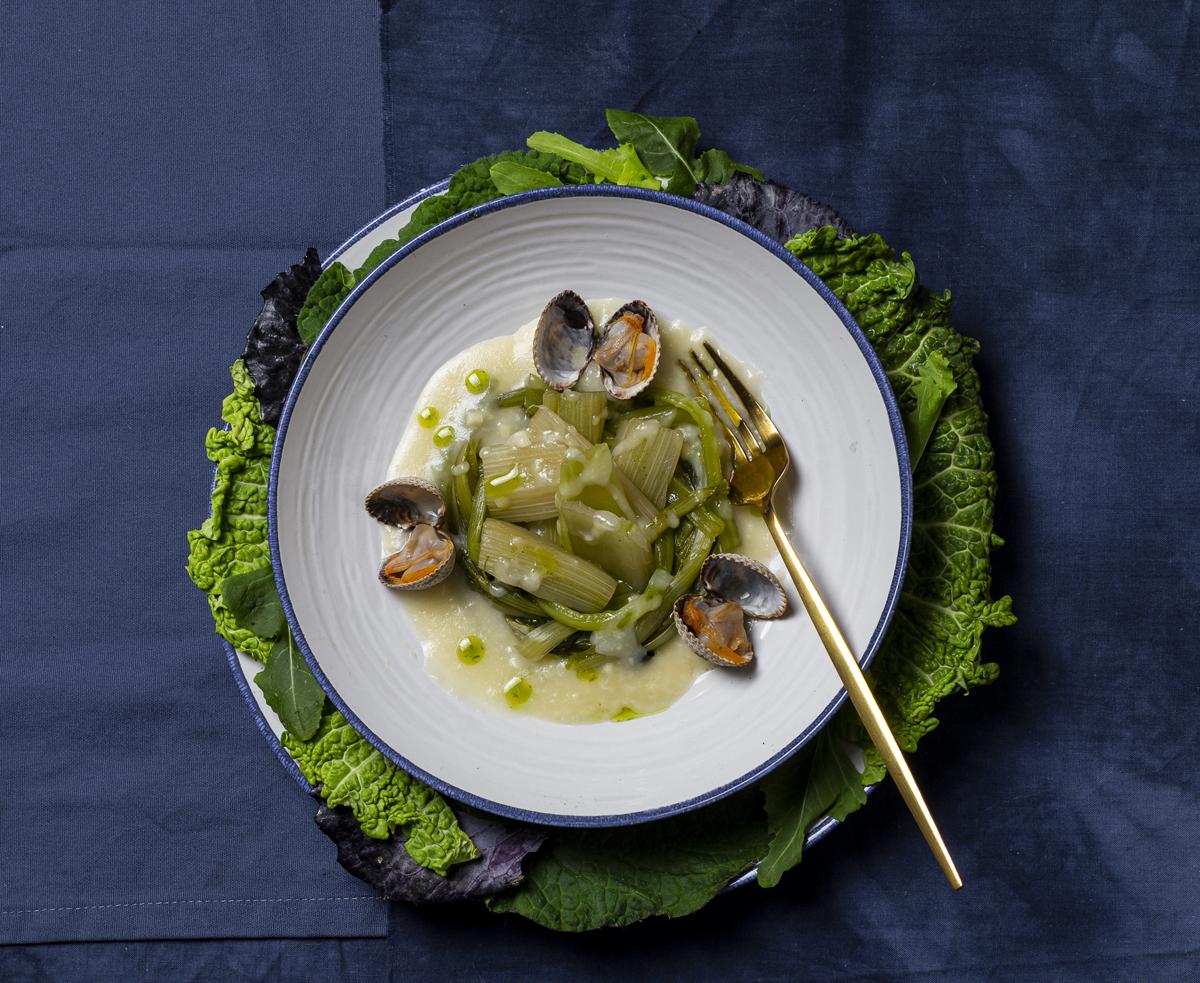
(404, 502)
(712, 622)
(745, 581)
(426, 556)
(627, 352)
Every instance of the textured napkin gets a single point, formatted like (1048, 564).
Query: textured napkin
(159, 166)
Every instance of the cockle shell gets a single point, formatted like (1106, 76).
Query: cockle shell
(563, 340)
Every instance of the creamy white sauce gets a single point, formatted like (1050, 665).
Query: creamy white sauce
(445, 614)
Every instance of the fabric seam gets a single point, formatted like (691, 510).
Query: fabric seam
(146, 904)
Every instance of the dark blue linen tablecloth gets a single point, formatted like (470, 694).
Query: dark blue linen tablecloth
(1041, 160)
(156, 168)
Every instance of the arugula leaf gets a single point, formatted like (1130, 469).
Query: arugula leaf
(233, 539)
(253, 601)
(291, 690)
(754, 172)
(331, 288)
(714, 167)
(588, 879)
(665, 144)
(387, 867)
(820, 781)
(617, 165)
(349, 771)
(510, 178)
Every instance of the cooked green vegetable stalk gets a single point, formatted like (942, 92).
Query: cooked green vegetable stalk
(540, 640)
(648, 453)
(572, 523)
(585, 411)
(520, 482)
(520, 558)
(617, 544)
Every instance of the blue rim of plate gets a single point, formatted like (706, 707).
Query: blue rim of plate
(898, 437)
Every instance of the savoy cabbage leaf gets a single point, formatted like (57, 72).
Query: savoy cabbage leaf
(587, 879)
(932, 648)
(233, 539)
(349, 771)
(385, 864)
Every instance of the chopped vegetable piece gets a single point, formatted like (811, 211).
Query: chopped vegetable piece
(585, 411)
(648, 453)
(521, 482)
(520, 558)
(612, 542)
(539, 641)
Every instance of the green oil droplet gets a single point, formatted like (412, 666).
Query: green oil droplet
(625, 713)
(471, 649)
(587, 675)
(428, 417)
(517, 691)
(443, 436)
(477, 381)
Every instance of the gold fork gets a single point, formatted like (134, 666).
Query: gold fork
(761, 459)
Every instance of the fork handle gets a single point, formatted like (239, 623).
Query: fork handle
(860, 695)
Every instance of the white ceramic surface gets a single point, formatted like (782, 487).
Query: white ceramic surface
(483, 277)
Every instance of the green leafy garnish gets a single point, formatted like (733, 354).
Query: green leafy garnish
(331, 288)
(233, 540)
(349, 771)
(618, 165)
(252, 600)
(510, 177)
(933, 386)
(291, 690)
(821, 780)
(587, 879)
(666, 145)
(231, 543)
(469, 186)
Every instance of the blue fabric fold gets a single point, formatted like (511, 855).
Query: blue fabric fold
(159, 166)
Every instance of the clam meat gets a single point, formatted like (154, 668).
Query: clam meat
(714, 629)
(712, 623)
(425, 559)
(629, 350)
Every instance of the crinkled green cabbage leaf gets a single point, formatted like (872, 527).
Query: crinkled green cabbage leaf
(348, 771)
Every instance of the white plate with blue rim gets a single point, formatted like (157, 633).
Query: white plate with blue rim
(849, 512)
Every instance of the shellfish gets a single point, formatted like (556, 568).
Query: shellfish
(712, 622)
(427, 555)
(629, 350)
(563, 340)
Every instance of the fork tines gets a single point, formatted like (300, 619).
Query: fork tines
(736, 407)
